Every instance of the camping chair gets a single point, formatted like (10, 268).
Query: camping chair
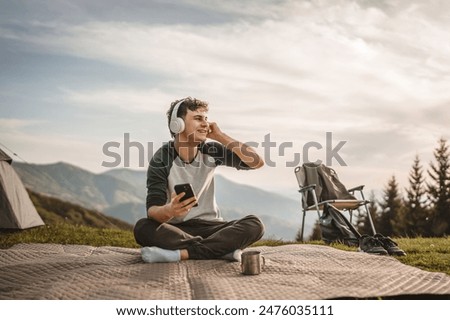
(319, 185)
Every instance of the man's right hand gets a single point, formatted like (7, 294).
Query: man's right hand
(179, 208)
(173, 209)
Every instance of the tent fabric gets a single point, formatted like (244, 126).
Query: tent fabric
(294, 271)
(5, 157)
(16, 209)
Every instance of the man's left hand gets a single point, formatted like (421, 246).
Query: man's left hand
(214, 131)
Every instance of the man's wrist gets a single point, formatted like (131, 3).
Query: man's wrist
(160, 213)
(167, 212)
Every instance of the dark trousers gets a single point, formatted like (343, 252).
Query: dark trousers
(203, 239)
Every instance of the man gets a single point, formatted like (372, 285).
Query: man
(193, 228)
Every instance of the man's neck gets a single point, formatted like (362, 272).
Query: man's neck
(186, 150)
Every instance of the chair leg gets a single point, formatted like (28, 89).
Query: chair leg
(303, 226)
(372, 226)
(316, 203)
(304, 213)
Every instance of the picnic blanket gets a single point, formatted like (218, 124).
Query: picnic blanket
(52, 271)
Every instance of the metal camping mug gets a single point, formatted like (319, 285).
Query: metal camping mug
(251, 262)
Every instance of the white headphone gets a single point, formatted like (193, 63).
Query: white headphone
(176, 124)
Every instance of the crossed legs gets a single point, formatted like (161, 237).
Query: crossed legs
(199, 239)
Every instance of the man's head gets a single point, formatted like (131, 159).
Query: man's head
(186, 104)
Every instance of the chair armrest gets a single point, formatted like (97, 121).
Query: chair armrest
(358, 188)
(311, 186)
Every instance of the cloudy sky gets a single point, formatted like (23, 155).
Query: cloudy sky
(76, 75)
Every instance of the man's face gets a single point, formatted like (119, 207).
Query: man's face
(196, 126)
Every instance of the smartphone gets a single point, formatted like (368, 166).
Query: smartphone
(187, 189)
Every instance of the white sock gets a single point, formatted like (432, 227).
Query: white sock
(156, 254)
(233, 256)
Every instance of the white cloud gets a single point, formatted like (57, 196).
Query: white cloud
(13, 124)
(46, 147)
(376, 75)
(127, 99)
(330, 51)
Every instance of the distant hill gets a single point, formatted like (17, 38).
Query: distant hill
(280, 214)
(120, 193)
(76, 185)
(54, 211)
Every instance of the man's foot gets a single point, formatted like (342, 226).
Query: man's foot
(156, 254)
(390, 245)
(369, 244)
(233, 256)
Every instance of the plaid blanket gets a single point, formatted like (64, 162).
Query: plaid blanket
(51, 271)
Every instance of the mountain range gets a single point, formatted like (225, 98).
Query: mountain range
(120, 193)
(56, 211)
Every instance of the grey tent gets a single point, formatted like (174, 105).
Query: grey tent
(16, 209)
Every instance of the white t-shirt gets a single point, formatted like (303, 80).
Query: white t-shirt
(167, 169)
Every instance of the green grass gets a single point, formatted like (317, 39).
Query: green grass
(66, 233)
(431, 254)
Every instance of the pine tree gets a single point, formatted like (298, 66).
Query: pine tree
(316, 233)
(439, 189)
(390, 223)
(418, 222)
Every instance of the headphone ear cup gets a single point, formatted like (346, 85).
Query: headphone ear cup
(177, 125)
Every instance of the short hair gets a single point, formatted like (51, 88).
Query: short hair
(188, 103)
